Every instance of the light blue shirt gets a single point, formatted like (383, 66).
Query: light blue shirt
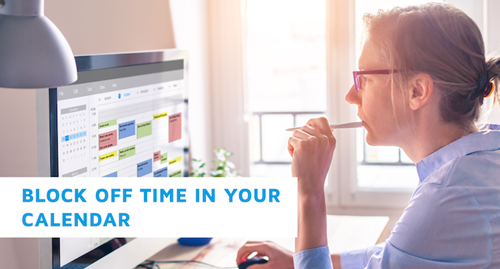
(318, 258)
(453, 218)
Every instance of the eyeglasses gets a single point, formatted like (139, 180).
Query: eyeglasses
(359, 83)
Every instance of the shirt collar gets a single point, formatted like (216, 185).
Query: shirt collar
(488, 139)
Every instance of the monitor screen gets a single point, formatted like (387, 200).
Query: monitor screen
(125, 116)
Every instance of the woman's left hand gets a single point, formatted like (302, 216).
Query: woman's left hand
(279, 257)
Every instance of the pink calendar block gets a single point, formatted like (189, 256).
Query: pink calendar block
(174, 127)
(107, 140)
(157, 156)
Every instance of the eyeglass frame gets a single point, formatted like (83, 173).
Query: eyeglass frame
(356, 75)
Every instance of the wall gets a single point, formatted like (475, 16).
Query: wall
(95, 26)
(227, 80)
(7, 251)
(18, 132)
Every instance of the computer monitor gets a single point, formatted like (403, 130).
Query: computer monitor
(125, 116)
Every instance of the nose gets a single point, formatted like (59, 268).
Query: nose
(352, 96)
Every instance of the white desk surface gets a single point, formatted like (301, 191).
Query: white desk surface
(344, 233)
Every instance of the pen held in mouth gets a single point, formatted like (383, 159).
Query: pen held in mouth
(336, 126)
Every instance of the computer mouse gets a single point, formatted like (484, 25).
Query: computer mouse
(252, 261)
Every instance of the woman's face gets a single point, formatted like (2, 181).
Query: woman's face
(374, 101)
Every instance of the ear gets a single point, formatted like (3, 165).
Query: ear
(420, 89)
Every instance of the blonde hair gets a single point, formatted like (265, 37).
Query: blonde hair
(441, 41)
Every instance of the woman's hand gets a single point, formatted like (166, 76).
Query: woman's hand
(279, 258)
(312, 149)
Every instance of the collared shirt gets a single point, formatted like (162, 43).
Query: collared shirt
(453, 218)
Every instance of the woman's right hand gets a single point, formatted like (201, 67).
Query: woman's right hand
(312, 149)
(279, 257)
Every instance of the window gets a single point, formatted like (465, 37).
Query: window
(286, 76)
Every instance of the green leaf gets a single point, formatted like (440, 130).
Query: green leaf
(217, 173)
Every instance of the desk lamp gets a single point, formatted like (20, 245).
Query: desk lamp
(33, 52)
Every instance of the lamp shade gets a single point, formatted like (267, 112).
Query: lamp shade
(33, 52)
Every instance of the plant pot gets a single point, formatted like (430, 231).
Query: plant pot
(194, 241)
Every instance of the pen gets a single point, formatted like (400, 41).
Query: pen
(336, 126)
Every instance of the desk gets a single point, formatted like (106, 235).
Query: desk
(344, 233)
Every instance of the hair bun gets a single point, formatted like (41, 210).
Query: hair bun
(482, 86)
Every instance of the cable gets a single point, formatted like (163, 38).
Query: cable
(154, 264)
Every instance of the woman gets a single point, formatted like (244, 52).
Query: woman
(424, 78)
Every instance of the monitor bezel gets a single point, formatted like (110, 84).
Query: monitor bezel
(104, 61)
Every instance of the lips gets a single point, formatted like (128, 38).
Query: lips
(362, 122)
